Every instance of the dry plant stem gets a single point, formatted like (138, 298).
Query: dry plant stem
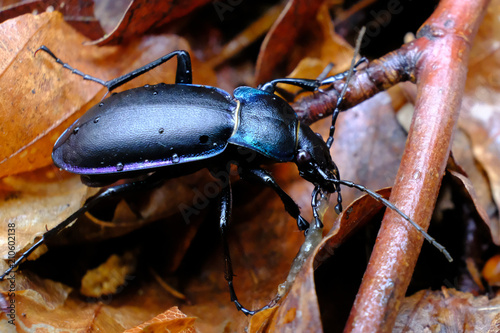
(444, 43)
(437, 62)
(379, 75)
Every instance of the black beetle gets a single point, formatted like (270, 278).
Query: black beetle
(152, 133)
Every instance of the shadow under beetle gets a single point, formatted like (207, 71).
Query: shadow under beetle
(152, 133)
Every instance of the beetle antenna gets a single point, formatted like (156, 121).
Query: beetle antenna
(354, 64)
(390, 205)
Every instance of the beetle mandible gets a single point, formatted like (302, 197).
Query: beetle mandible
(152, 133)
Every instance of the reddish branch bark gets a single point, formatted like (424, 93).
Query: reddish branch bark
(437, 62)
(379, 75)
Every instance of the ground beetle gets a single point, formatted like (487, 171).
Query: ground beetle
(152, 133)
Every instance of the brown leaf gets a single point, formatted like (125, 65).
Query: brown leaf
(480, 114)
(49, 98)
(40, 301)
(172, 320)
(284, 33)
(263, 238)
(79, 14)
(299, 310)
(50, 304)
(34, 203)
(263, 242)
(47, 101)
(447, 310)
(460, 176)
(142, 16)
(360, 212)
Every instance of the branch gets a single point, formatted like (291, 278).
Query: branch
(437, 62)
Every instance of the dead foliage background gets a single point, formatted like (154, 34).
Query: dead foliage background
(162, 271)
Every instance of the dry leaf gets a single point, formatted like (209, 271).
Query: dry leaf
(285, 32)
(79, 14)
(37, 202)
(142, 16)
(263, 238)
(172, 320)
(480, 115)
(447, 310)
(50, 98)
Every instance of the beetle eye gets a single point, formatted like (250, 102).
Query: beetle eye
(303, 157)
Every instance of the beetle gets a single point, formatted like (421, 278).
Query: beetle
(148, 134)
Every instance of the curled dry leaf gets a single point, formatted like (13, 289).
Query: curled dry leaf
(172, 320)
(184, 195)
(355, 216)
(448, 310)
(48, 99)
(299, 310)
(56, 99)
(36, 202)
(47, 304)
(79, 14)
(40, 301)
(142, 16)
(457, 173)
(263, 240)
(293, 21)
(480, 114)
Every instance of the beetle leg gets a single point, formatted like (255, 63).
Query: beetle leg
(184, 72)
(65, 65)
(112, 191)
(338, 207)
(341, 76)
(225, 199)
(314, 205)
(306, 84)
(329, 80)
(264, 177)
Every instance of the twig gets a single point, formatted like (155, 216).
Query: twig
(437, 62)
(444, 41)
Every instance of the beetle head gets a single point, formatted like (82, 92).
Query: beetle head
(314, 160)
